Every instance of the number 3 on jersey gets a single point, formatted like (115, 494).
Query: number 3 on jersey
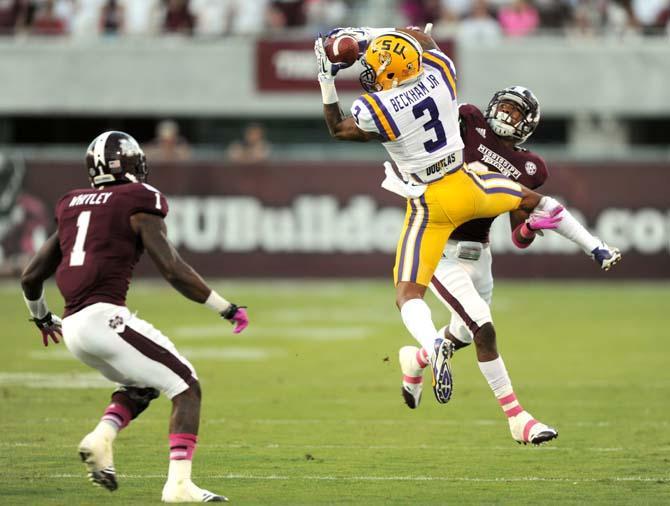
(434, 123)
(78, 255)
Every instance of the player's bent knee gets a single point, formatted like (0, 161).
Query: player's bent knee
(193, 394)
(137, 399)
(406, 291)
(486, 336)
(196, 390)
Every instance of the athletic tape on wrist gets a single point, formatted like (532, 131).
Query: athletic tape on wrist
(216, 302)
(328, 92)
(38, 308)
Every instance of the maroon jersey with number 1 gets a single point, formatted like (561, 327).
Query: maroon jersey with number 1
(484, 149)
(99, 247)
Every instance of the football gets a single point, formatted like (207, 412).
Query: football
(343, 49)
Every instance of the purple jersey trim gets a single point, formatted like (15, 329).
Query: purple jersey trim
(410, 222)
(387, 115)
(380, 127)
(417, 243)
(455, 305)
(508, 191)
(446, 60)
(493, 176)
(444, 76)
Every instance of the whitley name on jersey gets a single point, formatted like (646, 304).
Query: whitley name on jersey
(91, 199)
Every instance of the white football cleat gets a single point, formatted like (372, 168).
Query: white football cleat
(95, 451)
(412, 376)
(606, 256)
(187, 491)
(525, 429)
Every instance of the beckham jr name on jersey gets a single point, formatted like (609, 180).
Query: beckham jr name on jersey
(418, 121)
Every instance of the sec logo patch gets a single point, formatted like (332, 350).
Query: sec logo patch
(531, 168)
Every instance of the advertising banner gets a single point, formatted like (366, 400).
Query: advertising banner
(334, 220)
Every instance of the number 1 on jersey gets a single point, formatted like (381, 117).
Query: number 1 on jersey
(78, 255)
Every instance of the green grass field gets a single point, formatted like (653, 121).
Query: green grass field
(305, 406)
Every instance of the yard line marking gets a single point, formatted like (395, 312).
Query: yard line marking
(223, 353)
(403, 421)
(306, 446)
(316, 333)
(231, 476)
(45, 380)
(231, 353)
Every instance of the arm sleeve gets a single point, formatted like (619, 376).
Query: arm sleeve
(363, 117)
(147, 199)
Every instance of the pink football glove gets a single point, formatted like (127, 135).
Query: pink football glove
(237, 315)
(538, 221)
(50, 327)
(241, 320)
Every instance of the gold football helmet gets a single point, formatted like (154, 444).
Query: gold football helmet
(390, 60)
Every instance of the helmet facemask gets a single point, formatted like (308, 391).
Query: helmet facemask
(501, 122)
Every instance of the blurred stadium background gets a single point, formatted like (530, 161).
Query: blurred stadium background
(222, 94)
(306, 409)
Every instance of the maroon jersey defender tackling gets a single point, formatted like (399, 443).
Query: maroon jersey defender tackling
(485, 149)
(102, 232)
(463, 280)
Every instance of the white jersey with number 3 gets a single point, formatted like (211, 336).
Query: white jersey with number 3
(417, 121)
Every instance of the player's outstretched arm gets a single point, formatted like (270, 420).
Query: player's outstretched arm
(40, 268)
(340, 128)
(152, 230)
(345, 129)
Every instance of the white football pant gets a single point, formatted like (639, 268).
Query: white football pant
(466, 288)
(126, 349)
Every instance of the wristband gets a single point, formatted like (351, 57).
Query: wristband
(328, 91)
(217, 303)
(526, 232)
(38, 308)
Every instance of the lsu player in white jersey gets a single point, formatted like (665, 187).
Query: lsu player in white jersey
(411, 107)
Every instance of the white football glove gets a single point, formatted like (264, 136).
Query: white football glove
(327, 69)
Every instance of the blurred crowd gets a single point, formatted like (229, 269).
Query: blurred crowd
(469, 19)
(150, 17)
(482, 20)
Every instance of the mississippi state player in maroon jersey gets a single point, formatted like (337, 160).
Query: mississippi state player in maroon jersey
(463, 279)
(102, 232)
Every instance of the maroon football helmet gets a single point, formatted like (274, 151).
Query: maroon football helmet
(115, 157)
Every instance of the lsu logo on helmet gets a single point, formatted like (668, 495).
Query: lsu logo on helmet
(390, 60)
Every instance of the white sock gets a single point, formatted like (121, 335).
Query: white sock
(417, 318)
(495, 373)
(179, 470)
(569, 227)
(107, 429)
